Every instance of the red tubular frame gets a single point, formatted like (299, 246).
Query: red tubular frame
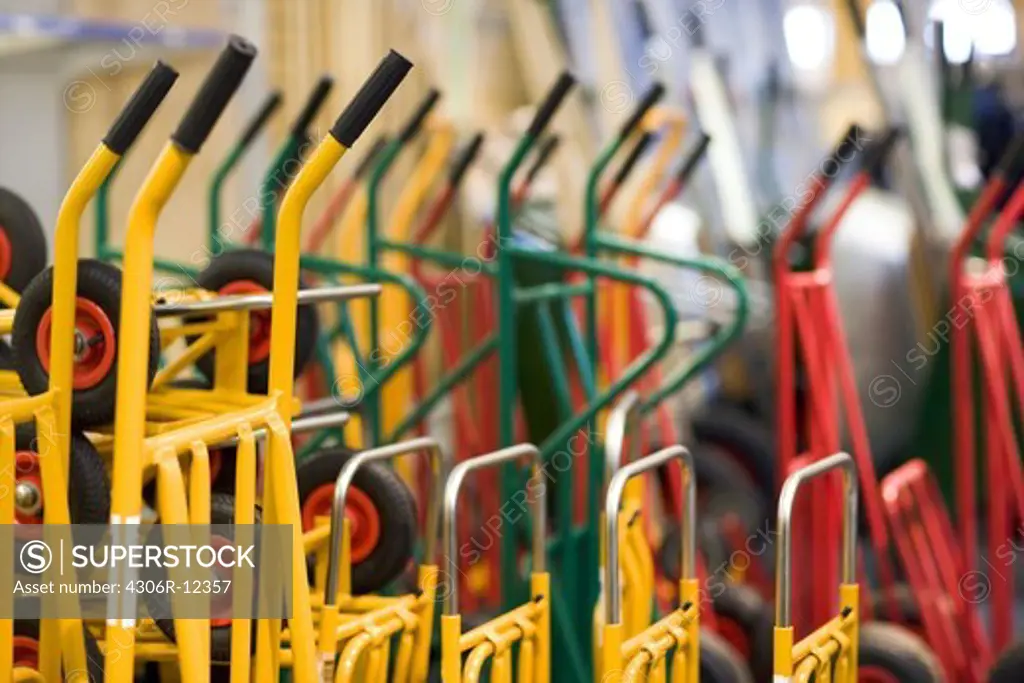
(991, 326)
(807, 310)
(933, 562)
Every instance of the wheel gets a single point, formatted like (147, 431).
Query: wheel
(906, 606)
(891, 654)
(248, 271)
(26, 652)
(1009, 665)
(6, 356)
(719, 662)
(746, 622)
(222, 512)
(97, 320)
(379, 506)
(88, 485)
(740, 437)
(22, 242)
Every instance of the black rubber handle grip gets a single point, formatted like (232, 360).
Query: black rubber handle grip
(853, 9)
(140, 108)
(377, 89)
(413, 125)
(256, 124)
(551, 103)
(877, 153)
(689, 164)
(214, 94)
(547, 148)
(1009, 166)
(464, 159)
(364, 164)
(634, 156)
(313, 104)
(848, 146)
(650, 98)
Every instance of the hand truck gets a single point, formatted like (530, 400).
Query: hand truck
(643, 656)
(528, 625)
(65, 642)
(981, 293)
(808, 319)
(134, 451)
(364, 637)
(829, 653)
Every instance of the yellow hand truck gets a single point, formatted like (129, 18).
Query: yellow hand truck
(363, 627)
(527, 626)
(829, 653)
(135, 451)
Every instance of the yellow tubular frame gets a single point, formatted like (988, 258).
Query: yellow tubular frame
(624, 659)
(281, 497)
(133, 452)
(839, 639)
(674, 122)
(369, 636)
(350, 247)
(61, 640)
(394, 302)
(528, 624)
(129, 424)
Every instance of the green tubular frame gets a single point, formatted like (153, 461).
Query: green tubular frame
(101, 236)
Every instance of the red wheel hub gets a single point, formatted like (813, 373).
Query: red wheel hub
(735, 636)
(26, 652)
(259, 321)
(5, 254)
(216, 462)
(362, 515)
(95, 343)
(220, 603)
(874, 674)
(28, 474)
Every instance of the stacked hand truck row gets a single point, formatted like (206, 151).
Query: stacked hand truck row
(178, 404)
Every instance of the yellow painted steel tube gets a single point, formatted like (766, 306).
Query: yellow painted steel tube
(280, 462)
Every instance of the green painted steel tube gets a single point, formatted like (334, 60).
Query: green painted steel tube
(444, 258)
(101, 236)
(546, 292)
(446, 384)
(275, 181)
(387, 158)
(507, 362)
(374, 379)
(727, 274)
(559, 376)
(214, 192)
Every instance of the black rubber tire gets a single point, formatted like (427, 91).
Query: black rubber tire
(719, 661)
(897, 651)
(99, 283)
(745, 608)
(1009, 666)
(222, 511)
(394, 503)
(6, 356)
(258, 266)
(88, 485)
(746, 438)
(906, 605)
(25, 234)
(28, 628)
